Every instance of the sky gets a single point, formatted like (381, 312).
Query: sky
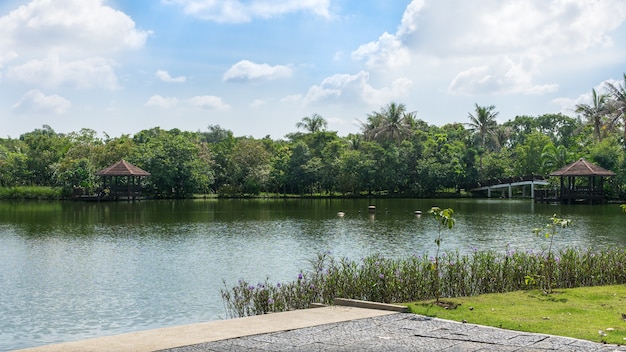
(257, 67)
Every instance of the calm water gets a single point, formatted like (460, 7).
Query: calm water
(70, 271)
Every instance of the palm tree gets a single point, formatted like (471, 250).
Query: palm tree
(618, 95)
(390, 123)
(483, 123)
(554, 158)
(595, 112)
(354, 141)
(313, 124)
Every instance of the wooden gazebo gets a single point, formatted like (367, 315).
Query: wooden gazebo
(582, 182)
(122, 180)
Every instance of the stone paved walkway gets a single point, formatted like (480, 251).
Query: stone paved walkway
(398, 332)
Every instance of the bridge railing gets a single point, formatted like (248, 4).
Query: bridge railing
(500, 181)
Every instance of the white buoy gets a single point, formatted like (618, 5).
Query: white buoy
(341, 214)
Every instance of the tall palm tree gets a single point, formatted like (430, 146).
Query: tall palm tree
(483, 123)
(392, 122)
(313, 124)
(618, 95)
(595, 112)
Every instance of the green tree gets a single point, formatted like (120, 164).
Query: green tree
(76, 173)
(249, 167)
(313, 124)
(351, 167)
(618, 95)
(221, 143)
(114, 150)
(279, 171)
(179, 165)
(44, 148)
(483, 123)
(555, 157)
(391, 123)
(300, 176)
(519, 128)
(528, 155)
(499, 165)
(596, 113)
(14, 170)
(606, 154)
(444, 219)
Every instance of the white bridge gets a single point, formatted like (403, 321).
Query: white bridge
(508, 183)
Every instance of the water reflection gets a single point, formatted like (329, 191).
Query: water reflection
(76, 270)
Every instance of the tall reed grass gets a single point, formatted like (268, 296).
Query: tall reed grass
(380, 279)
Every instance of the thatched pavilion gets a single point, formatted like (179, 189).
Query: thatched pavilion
(582, 181)
(122, 180)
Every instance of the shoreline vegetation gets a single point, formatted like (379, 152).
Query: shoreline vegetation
(57, 193)
(410, 279)
(379, 279)
(31, 193)
(395, 154)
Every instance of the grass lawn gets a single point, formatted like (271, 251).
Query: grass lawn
(591, 313)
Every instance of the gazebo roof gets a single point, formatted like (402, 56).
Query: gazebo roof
(582, 167)
(122, 168)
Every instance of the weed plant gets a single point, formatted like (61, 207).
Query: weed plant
(380, 279)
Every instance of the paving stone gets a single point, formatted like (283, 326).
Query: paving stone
(400, 332)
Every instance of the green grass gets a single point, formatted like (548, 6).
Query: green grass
(30, 192)
(578, 312)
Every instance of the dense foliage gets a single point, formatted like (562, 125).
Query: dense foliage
(395, 154)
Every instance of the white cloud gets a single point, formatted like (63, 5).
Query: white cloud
(387, 51)
(399, 89)
(501, 76)
(7, 57)
(547, 27)
(158, 101)
(209, 102)
(480, 38)
(235, 11)
(66, 43)
(410, 18)
(69, 26)
(492, 27)
(246, 70)
(34, 101)
(568, 105)
(257, 103)
(165, 77)
(206, 102)
(52, 72)
(350, 89)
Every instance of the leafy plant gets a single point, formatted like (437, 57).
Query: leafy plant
(549, 231)
(444, 219)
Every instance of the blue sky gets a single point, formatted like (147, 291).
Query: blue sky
(257, 67)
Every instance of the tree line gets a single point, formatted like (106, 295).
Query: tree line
(394, 154)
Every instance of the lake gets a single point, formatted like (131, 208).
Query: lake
(70, 271)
